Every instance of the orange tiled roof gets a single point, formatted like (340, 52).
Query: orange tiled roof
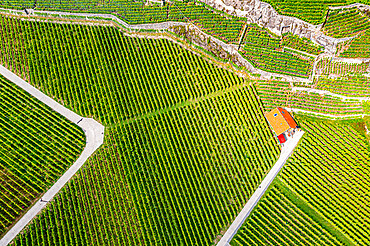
(280, 120)
(288, 118)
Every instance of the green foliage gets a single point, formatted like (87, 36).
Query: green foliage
(318, 198)
(226, 28)
(178, 177)
(278, 62)
(366, 106)
(273, 93)
(259, 36)
(265, 51)
(329, 67)
(216, 23)
(358, 47)
(278, 93)
(301, 43)
(354, 85)
(119, 77)
(346, 23)
(37, 147)
(312, 11)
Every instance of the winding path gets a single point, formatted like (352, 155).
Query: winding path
(323, 92)
(349, 116)
(94, 133)
(353, 5)
(287, 150)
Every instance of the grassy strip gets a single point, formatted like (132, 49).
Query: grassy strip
(180, 105)
(312, 213)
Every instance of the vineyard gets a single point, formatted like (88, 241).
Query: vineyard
(279, 93)
(106, 85)
(366, 106)
(320, 196)
(356, 48)
(310, 11)
(37, 147)
(336, 175)
(346, 23)
(184, 137)
(343, 78)
(186, 141)
(302, 44)
(266, 52)
(349, 85)
(335, 69)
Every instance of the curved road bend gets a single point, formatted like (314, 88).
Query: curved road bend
(94, 133)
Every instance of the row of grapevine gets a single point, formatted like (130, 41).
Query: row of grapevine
(312, 11)
(329, 67)
(172, 166)
(228, 29)
(324, 104)
(345, 23)
(366, 106)
(37, 146)
(273, 93)
(354, 85)
(277, 220)
(176, 178)
(277, 61)
(358, 47)
(330, 171)
(265, 51)
(301, 43)
(261, 37)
